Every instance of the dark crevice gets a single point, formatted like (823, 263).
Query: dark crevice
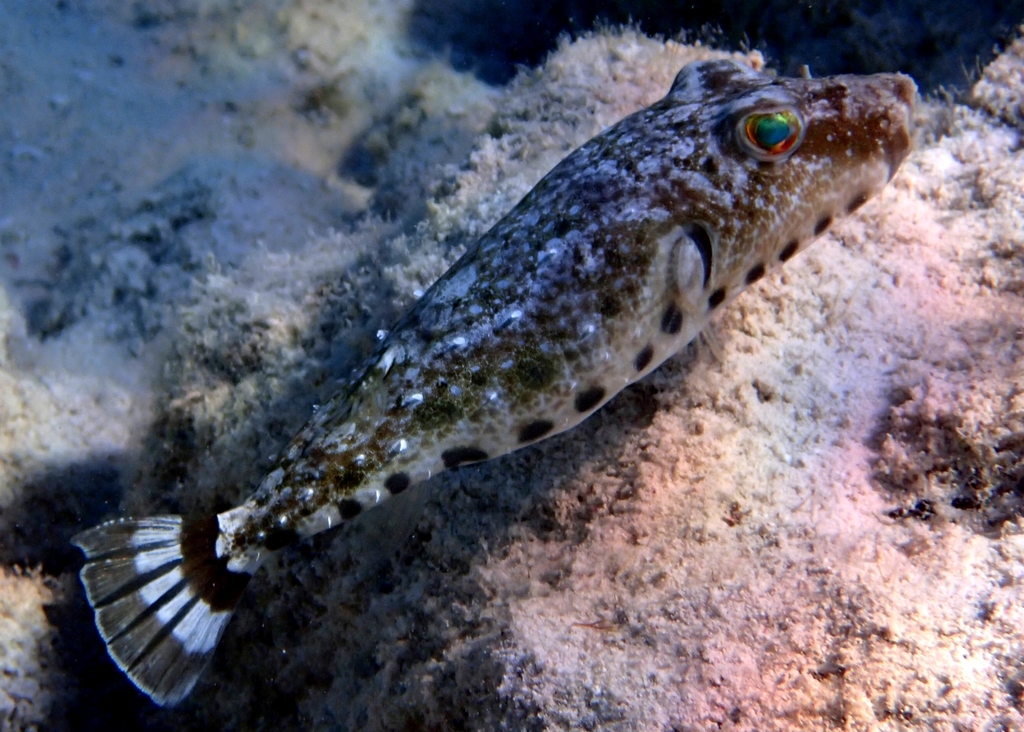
(934, 42)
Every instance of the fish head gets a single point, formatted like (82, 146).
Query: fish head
(774, 161)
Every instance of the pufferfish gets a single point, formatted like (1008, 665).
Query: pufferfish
(612, 263)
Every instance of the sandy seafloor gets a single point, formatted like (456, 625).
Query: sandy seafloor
(810, 520)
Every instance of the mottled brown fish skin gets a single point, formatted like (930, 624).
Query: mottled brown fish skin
(614, 261)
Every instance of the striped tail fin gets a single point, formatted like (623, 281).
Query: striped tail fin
(161, 596)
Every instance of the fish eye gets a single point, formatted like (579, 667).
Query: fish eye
(771, 136)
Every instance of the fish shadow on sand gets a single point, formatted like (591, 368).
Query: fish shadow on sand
(54, 504)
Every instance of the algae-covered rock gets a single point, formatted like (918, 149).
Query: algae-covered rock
(30, 695)
(1000, 89)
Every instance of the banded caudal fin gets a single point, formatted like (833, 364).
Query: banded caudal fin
(161, 596)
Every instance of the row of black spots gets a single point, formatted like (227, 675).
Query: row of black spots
(457, 456)
(349, 508)
(280, 538)
(397, 482)
(823, 223)
(643, 357)
(856, 202)
(819, 228)
(756, 272)
(589, 398)
(789, 250)
(672, 320)
(585, 401)
(535, 430)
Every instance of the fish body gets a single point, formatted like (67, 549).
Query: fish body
(610, 265)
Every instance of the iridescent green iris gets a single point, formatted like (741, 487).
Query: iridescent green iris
(773, 135)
